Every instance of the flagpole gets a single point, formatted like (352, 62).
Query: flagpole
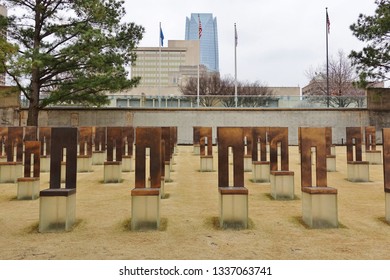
(327, 58)
(159, 63)
(235, 66)
(198, 85)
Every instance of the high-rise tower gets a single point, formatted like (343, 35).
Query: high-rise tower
(208, 39)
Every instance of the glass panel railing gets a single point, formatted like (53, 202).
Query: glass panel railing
(216, 101)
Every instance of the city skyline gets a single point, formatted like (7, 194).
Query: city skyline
(277, 40)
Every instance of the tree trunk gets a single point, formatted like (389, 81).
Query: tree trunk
(33, 112)
(33, 109)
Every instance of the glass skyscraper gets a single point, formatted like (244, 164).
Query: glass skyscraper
(209, 38)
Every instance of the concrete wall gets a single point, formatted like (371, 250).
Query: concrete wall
(185, 119)
(81, 117)
(378, 103)
(9, 97)
(9, 117)
(9, 106)
(377, 114)
(378, 99)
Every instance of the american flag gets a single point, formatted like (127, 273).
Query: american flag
(327, 22)
(200, 28)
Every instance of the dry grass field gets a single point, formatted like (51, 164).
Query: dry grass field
(189, 228)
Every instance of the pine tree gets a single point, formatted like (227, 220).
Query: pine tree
(68, 51)
(373, 61)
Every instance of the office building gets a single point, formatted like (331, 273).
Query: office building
(163, 70)
(209, 56)
(317, 87)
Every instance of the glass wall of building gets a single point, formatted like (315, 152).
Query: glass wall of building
(209, 56)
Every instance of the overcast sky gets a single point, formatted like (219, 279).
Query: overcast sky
(278, 40)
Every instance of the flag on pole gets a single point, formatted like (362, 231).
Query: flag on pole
(327, 56)
(327, 22)
(161, 37)
(235, 35)
(199, 27)
(235, 65)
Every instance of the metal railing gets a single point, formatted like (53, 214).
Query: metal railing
(215, 101)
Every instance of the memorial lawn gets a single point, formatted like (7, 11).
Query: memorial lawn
(189, 227)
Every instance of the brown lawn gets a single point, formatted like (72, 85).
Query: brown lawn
(189, 228)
